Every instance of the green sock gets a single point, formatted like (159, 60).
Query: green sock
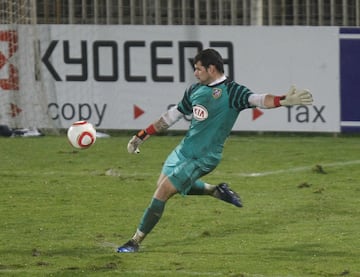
(198, 188)
(151, 215)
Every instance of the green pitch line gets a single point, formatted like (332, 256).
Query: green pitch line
(297, 169)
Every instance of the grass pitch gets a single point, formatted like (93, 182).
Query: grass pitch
(63, 212)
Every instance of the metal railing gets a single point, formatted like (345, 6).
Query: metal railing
(183, 12)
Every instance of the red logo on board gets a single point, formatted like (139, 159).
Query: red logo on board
(137, 112)
(12, 82)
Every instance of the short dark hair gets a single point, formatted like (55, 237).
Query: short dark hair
(209, 57)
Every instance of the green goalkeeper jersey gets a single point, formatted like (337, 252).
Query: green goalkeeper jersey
(215, 109)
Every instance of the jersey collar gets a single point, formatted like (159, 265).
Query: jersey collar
(217, 81)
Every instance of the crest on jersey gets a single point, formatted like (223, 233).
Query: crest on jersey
(216, 92)
(200, 113)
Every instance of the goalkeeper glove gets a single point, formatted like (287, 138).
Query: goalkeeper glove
(139, 138)
(135, 141)
(296, 97)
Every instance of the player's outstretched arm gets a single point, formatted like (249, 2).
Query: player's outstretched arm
(292, 98)
(163, 123)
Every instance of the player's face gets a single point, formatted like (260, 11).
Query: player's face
(202, 73)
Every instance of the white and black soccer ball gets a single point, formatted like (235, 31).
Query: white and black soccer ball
(81, 134)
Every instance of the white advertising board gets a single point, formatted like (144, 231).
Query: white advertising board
(125, 77)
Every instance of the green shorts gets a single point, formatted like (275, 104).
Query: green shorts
(184, 171)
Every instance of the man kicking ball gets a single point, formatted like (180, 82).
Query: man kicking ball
(214, 103)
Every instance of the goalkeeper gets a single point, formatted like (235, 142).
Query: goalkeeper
(215, 103)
